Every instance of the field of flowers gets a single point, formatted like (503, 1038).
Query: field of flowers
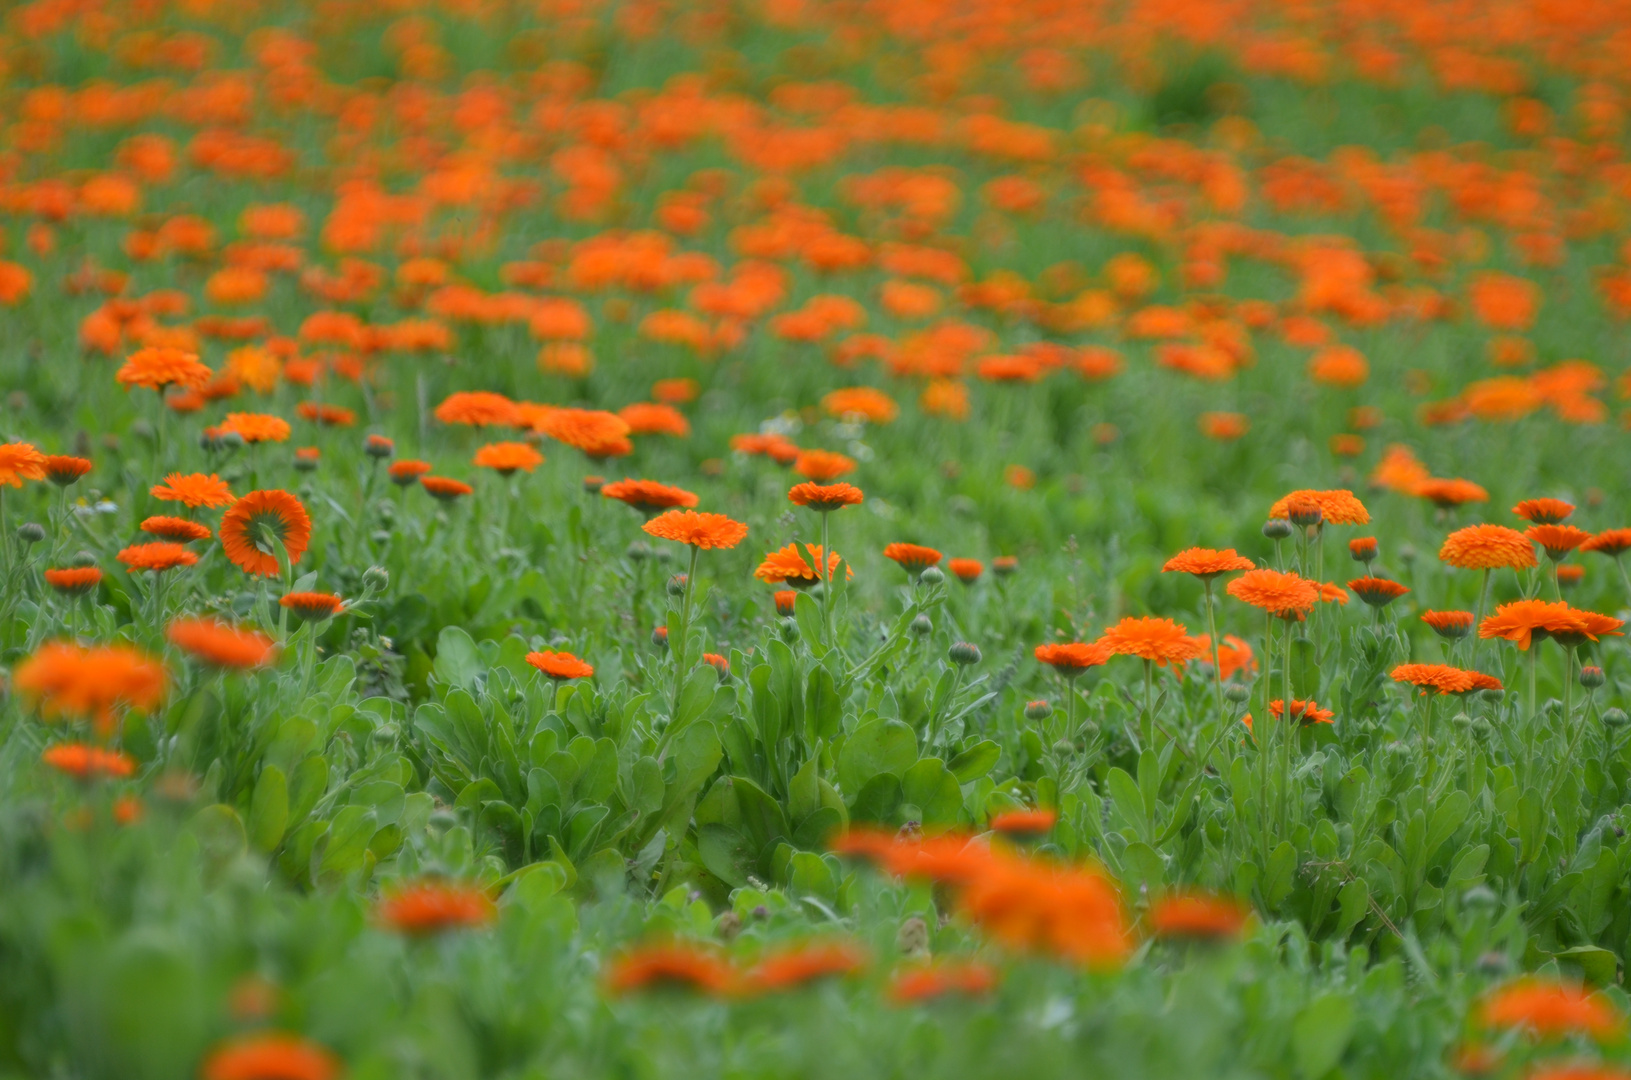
(814, 538)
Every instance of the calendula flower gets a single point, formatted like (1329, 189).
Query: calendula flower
(312, 605)
(560, 665)
(651, 418)
(1024, 824)
(221, 645)
(254, 522)
(1551, 1009)
(706, 531)
(444, 488)
(74, 580)
(270, 1055)
(967, 571)
(1440, 678)
(1151, 638)
(1487, 547)
(19, 462)
(1558, 540)
(1197, 916)
(256, 427)
(1073, 658)
(1205, 563)
(161, 366)
(822, 466)
(90, 682)
(1609, 542)
(87, 762)
(597, 433)
(505, 458)
(1234, 655)
(861, 402)
(421, 908)
(648, 496)
(1306, 713)
(674, 966)
(194, 490)
(177, 529)
(789, 968)
(790, 566)
(1544, 511)
(923, 983)
(1277, 593)
(63, 470)
(478, 408)
(1340, 507)
(1377, 592)
(1449, 494)
(406, 471)
(912, 557)
(323, 413)
(157, 557)
(1449, 624)
(1523, 621)
(824, 498)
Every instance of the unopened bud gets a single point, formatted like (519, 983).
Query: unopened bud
(82, 558)
(922, 626)
(659, 637)
(932, 575)
(1038, 710)
(639, 551)
(1276, 528)
(1239, 693)
(376, 579)
(1592, 677)
(30, 532)
(964, 653)
(1614, 717)
(676, 585)
(789, 630)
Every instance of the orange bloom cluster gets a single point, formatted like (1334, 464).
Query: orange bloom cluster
(91, 682)
(1524, 621)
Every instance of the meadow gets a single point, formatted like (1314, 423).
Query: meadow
(814, 538)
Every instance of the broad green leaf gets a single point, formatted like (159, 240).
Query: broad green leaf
(1321, 1033)
(876, 748)
(932, 788)
(348, 839)
(975, 762)
(457, 661)
(811, 875)
(268, 810)
(646, 785)
(727, 854)
(1129, 801)
(1280, 874)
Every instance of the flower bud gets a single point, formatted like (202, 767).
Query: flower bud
(593, 484)
(30, 532)
(932, 575)
(1038, 710)
(922, 626)
(378, 446)
(1615, 718)
(1276, 528)
(1363, 549)
(639, 551)
(1592, 677)
(376, 579)
(676, 585)
(141, 429)
(1003, 565)
(789, 630)
(305, 464)
(230, 440)
(1239, 693)
(659, 637)
(964, 653)
(1305, 515)
(82, 558)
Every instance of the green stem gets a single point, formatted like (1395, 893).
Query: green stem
(1217, 665)
(1149, 704)
(825, 575)
(677, 648)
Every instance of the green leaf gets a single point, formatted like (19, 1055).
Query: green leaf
(727, 854)
(931, 787)
(268, 810)
(762, 816)
(1353, 902)
(877, 800)
(815, 832)
(1129, 801)
(811, 875)
(1280, 874)
(695, 696)
(823, 710)
(975, 762)
(1305, 671)
(457, 661)
(1598, 964)
(309, 783)
(876, 748)
(220, 833)
(347, 842)
(1321, 1033)
(646, 785)
(1451, 811)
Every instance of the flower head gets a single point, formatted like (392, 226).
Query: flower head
(1609, 542)
(912, 557)
(1339, 507)
(1487, 547)
(788, 968)
(221, 645)
(789, 565)
(705, 531)
(1073, 658)
(967, 571)
(1449, 624)
(1151, 638)
(314, 606)
(1558, 540)
(922, 983)
(1439, 678)
(62, 470)
(20, 461)
(1524, 621)
(1551, 1009)
(431, 907)
(157, 557)
(254, 526)
(1277, 593)
(161, 366)
(1544, 511)
(597, 433)
(90, 682)
(1451, 493)
(256, 427)
(1197, 916)
(822, 466)
(74, 580)
(1024, 824)
(1377, 592)
(270, 1055)
(560, 665)
(675, 966)
(177, 529)
(478, 408)
(407, 470)
(824, 498)
(505, 458)
(194, 490)
(1205, 563)
(648, 495)
(444, 488)
(88, 762)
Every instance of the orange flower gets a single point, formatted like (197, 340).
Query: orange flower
(323, 413)
(431, 907)
(1551, 1009)
(1224, 426)
(270, 1055)
(1523, 621)
(1233, 655)
(444, 488)
(19, 462)
(255, 427)
(406, 471)
(1377, 592)
(824, 498)
(1451, 493)
(88, 762)
(1340, 507)
(314, 606)
(861, 402)
(74, 580)
(158, 557)
(173, 528)
(193, 490)
(1073, 658)
(822, 466)
(1399, 471)
(1544, 511)
(788, 968)
(786, 601)
(1449, 624)
(1151, 638)
(161, 366)
(915, 984)
(967, 571)
(90, 682)
(1024, 824)
(1441, 678)
(650, 418)
(1609, 542)
(1558, 540)
(776, 447)
(1193, 915)
(1304, 712)
(598, 434)
(1278, 594)
(63, 470)
(560, 665)
(648, 495)
(478, 408)
(912, 557)
(1205, 563)
(221, 645)
(257, 523)
(789, 565)
(1487, 547)
(705, 531)
(506, 457)
(1362, 548)
(680, 966)
(1339, 365)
